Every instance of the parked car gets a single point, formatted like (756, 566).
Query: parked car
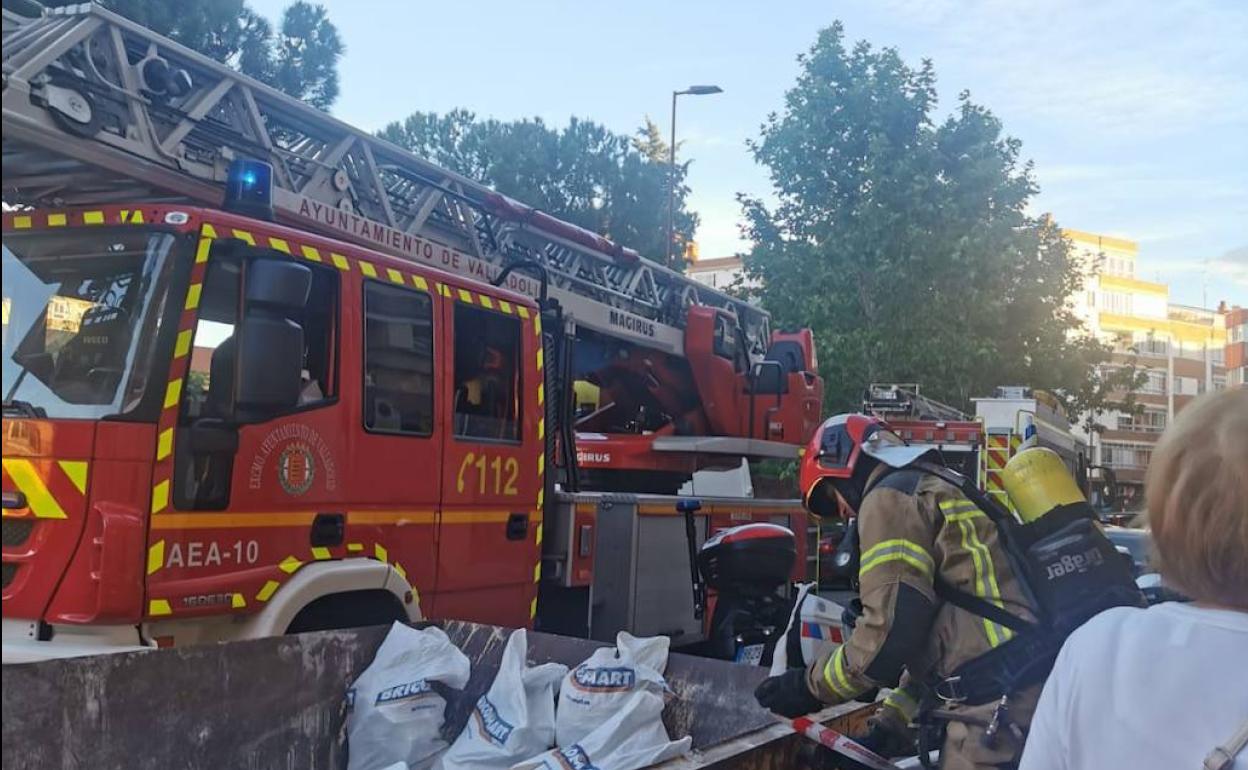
(838, 556)
(1136, 544)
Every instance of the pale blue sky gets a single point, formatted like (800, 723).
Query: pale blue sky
(1135, 111)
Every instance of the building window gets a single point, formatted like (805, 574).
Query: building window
(1151, 346)
(1116, 302)
(1155, 385)
(487, 374)
(398, 360)
(1149, 421)
(1186, 386)
(1129, 456)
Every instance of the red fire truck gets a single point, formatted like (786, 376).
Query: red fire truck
(344, 397)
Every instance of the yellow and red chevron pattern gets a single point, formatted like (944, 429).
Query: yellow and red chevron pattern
(75, 217)
(997, 452)
(51, 488)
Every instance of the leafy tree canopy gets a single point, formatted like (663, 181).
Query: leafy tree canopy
(611, 184)
(300, 58)
(906, 243)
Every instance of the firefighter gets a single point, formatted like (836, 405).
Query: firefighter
(916, 532)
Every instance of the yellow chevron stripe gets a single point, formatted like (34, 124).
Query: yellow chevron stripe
(160, 496)
(76, 470)
(267, 591)
(164, 444)
(173, 391)
(155, 556)
(27, 480)
(183, 344)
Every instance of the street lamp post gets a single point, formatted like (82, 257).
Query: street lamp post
(671, 162)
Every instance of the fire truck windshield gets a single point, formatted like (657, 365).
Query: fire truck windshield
(81, 312)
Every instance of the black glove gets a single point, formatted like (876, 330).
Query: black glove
(888, 742)
(787, 694)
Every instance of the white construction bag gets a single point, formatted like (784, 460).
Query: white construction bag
(514, 720)
(634, 737)
(394, 716)
(815, 626)
(594, 691)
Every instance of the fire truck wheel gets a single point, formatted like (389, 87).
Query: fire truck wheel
(348, 610)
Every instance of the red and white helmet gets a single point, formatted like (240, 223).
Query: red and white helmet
(834, 451)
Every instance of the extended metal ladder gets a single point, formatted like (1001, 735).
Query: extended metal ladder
(99, 109)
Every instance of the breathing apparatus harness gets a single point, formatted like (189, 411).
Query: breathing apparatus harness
(1067, 570)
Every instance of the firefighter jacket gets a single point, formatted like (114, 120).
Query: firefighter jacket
(913, 528)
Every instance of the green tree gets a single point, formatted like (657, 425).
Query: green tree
(300, 58)
(906, 244)
(648, 140)
(611, 184)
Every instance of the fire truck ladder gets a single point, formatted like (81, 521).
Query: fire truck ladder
(903, 401)
(98, 109)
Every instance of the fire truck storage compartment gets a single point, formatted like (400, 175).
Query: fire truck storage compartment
(749, 559)
(641, 570)
(640, 579)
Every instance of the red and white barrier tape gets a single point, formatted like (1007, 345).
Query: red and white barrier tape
(840, 743)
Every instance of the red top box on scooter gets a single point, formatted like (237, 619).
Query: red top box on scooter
(749, 559)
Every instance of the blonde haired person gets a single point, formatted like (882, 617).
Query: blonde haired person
(1166, 687)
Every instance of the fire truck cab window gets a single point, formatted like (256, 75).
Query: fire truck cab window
(398, 360)
(209, 381)
(487, 374)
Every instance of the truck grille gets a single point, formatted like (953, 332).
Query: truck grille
(16, 532)
(10, 572)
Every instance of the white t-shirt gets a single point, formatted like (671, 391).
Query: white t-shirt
(1141, 689)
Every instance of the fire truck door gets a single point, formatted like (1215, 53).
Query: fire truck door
(488, 520)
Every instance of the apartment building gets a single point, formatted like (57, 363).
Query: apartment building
(718, 273)
(1182, 350)
(1237, 347)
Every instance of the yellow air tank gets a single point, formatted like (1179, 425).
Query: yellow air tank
(1037, 481)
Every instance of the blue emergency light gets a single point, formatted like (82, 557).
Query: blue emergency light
(249, 189)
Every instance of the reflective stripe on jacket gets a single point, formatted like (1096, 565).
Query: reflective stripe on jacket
(912, 528)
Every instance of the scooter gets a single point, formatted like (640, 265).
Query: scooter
(747, 567)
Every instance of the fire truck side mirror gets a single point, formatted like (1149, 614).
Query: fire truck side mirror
(270, 342)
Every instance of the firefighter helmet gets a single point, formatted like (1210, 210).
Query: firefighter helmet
(834, 454)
